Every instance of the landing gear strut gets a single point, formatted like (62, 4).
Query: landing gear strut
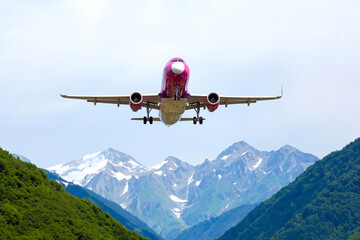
(177, 97)
(197, 118)
(147, 117)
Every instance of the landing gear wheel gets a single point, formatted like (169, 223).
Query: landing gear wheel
(201, 120)
(194, 120)
(145, 120)
(151, 120)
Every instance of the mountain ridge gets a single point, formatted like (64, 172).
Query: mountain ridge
(185, 195)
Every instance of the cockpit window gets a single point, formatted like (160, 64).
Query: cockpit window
(177, 60)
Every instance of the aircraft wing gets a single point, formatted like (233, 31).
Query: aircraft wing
(149, 99)
(200, 100)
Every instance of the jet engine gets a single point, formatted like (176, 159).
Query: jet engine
(212, 102)
(135, 101)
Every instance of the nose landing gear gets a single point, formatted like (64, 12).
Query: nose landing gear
(177, 97)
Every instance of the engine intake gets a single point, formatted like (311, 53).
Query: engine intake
(212, 102)
(135, 101)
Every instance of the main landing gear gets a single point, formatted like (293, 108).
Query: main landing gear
(197, 118)
(147, 118)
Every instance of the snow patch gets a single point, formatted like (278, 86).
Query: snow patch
(159, 173)
(133, 163)
(126, 189)
(123, 205)
(176, 212)
(176, 199)
(255, 166)
(120, 176)
(219, 176)
(158, 166)
(174, 185)
(191, 179)
(197, 183)
(225, 157)
(120, 164)
(244, 153)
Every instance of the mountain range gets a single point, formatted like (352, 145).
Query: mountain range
(174, 195)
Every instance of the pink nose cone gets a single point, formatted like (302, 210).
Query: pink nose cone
(178, 67)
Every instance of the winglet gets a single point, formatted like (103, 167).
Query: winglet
(63, 95)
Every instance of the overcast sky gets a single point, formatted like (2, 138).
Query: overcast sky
(249, 47)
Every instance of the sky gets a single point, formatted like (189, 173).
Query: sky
(108, 47)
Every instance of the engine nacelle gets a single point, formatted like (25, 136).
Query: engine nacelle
(135, 101)
(212, 102)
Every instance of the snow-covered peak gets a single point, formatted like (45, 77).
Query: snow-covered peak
(116, 164)
(169, 164)
(236, 150)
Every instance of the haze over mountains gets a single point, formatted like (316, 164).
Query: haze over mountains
(174, 195)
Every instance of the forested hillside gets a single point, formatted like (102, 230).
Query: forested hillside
(34, 207)
(127, 219)
(322, 203)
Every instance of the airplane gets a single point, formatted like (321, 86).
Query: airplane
(174, 98)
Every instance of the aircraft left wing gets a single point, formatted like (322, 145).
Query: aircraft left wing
(195, 101)
(150, 100)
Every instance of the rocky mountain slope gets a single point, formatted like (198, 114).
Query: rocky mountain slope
(217, 226)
